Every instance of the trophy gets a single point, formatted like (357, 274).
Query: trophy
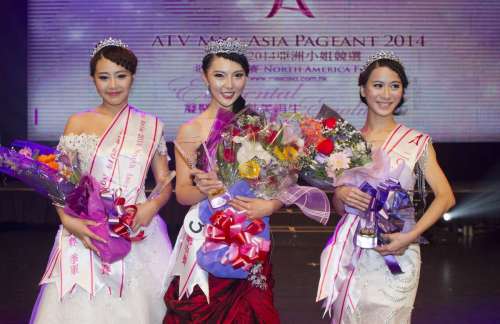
(217, 198)
(367, 234)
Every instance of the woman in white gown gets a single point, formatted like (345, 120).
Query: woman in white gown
(116, 144)
(356, 283)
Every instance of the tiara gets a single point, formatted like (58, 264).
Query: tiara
(228, 45)
(381, 55)
(108, 42)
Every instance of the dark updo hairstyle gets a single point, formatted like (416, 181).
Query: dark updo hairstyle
(394, 66)
(241, 59)
(116, 54)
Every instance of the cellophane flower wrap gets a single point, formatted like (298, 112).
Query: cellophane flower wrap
(233, 242)
(255, 158)
(56, 175)
(42, 168)
(332, 145)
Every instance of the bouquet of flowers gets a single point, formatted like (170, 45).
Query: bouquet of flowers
(57, 176)
(332, 145)
(44, 169)
(254, 158)
(267, 155)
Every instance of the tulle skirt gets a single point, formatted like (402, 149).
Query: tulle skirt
(141, 302)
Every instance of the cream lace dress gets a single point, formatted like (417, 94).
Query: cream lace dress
(145, 267)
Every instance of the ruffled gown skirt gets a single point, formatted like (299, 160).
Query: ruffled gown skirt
(142, 298)
(235, 301)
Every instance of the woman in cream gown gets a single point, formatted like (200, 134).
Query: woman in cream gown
(116, 144)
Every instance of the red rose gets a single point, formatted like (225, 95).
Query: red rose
(229, 155)
(330, 123)
(325, 147)
(251, 128)
(271, 136)
(236, 132)
(251, 131)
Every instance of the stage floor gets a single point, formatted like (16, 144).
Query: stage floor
(459, 282)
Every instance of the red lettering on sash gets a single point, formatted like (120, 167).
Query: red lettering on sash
(416, 140)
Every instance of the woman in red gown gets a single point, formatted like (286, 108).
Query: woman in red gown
(194, 295)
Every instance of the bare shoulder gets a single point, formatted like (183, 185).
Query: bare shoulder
(77, 123)
(190, 129)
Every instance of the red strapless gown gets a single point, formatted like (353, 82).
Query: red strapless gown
(234, 301)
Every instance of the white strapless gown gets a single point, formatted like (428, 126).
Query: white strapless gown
(145, 269)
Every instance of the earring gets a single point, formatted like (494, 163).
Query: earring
(207, 92)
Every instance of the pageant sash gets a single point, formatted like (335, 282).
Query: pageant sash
(404, 147)
(73, 265)
(183, 259)
(120, 162)
(125, 151)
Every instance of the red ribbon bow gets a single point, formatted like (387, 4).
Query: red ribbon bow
(125, 221)
(245, 248)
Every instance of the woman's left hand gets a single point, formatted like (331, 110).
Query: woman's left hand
(254, 207)
(144, 215)
(398, 243)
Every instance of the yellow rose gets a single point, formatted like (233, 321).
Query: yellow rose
(249, 170)
(290, 152)
(279, 153)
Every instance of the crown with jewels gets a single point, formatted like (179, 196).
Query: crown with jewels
(108, 42)
(381, 55)
(228, 45)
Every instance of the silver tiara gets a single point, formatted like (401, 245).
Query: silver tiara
(108, 42)
(228, 45)
(381, 55)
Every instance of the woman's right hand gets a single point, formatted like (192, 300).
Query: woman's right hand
(206, 182)
(79, 228)
(353, 197)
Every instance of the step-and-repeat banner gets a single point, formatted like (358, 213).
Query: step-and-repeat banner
(303, 53)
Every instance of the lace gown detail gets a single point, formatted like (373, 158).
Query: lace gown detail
(385, 298)
(145, 268)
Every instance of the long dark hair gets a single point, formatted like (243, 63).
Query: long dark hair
(240, 103)
(394, 66)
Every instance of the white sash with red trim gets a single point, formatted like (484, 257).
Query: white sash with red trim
(120, 162)
(405, 145)
(183, 261)
(125, 151)
(340, 256)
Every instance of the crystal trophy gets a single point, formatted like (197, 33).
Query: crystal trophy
(219, 197)
(216, 198)
(367, 234)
